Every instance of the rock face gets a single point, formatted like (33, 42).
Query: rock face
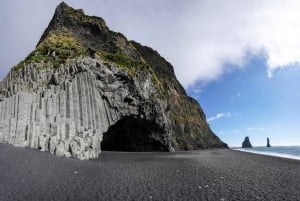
(86, 88)
(246, 143)
(268, 142)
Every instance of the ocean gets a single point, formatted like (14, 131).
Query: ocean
(292, 152)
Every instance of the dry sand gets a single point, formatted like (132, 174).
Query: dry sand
(27, 174)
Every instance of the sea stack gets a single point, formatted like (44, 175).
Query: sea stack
(86, 88)
(268, 142)
(246, 143)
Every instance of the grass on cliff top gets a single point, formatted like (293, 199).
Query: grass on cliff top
(57, 48)
(60, 46)
(130, 66)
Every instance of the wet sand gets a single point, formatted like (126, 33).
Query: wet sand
(27, 174)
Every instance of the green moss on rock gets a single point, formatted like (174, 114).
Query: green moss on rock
(131, 66)
(57, 48)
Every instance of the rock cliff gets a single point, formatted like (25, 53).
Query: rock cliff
(86, 88)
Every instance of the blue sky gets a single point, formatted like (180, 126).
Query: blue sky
(238, 58)
(246, 102)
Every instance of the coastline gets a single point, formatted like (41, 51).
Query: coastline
(27, 174)
(267, 153)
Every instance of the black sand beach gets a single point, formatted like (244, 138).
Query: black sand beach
(27, 174)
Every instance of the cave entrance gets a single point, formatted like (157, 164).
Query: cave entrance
(132, 134)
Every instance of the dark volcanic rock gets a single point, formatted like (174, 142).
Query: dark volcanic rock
(86, 88)
(268, 142)
(246, 143)
(188, 120)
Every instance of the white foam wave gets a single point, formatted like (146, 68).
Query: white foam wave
(281, 155)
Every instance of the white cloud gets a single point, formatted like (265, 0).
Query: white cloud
(218, 116)
(198, 90)
(199, 37)
(231, 31)
(255, 128)
(236, 96)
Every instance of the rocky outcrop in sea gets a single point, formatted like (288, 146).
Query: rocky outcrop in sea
(246, 143)
(268, 142)
(86, 88)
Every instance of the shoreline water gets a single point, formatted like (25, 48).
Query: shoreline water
(290, 152)
(218, 174)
